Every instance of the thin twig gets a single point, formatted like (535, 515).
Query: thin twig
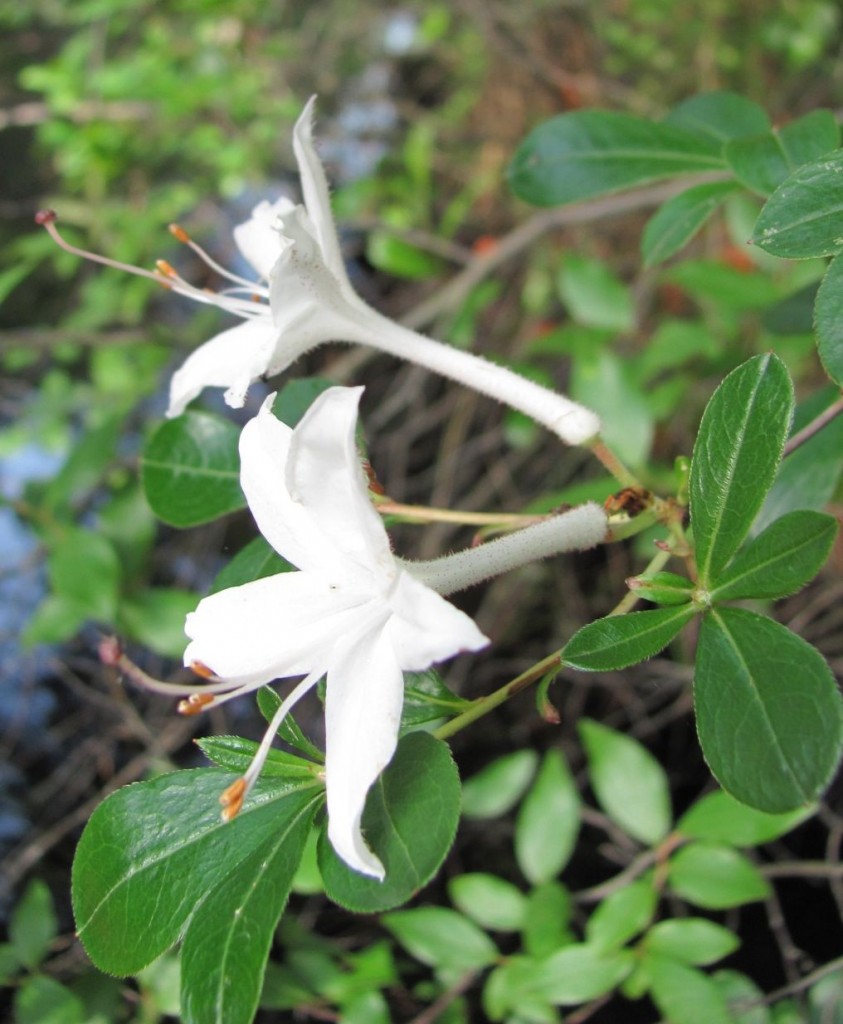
(815, 426)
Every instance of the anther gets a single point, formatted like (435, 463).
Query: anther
(231, 799)
(165, 268)
(201, 669)
(195, 703)
(180, 235)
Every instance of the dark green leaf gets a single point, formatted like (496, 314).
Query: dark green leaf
(153, 851)
(498, 787)
(440, 937)
(548, 821)
(715, 877)
(768, 711)
(828, 319)
(630, 785)
(42, 1000)
(804, 216)
(684, 995)
(736, 454)
(744, 998)
(589, 153)
(622, 640)
(491, 902)
(427, 699)
(9, 964)
(721, 114)
(410, 822)
(780, 560)
(191, 469)
(235, 754)
(155, 617)
(693, 940)
(268, 703)
(723, 819)
(253, 562)
(679, 219)
(794, 314)
(227, 942)
(33, 924)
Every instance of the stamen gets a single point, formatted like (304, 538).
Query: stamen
(201, 669)
(195, 703)
(178, 232)
(232, 799)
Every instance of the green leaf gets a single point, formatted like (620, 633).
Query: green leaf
(42, 1000)
(803, 218)
(745, 1000)
(428, 699)
(190, 469)
(489, 901)
(81, 473)
(253, 562)
(594, 296)
(297, 396)
(155, 617)
(723, 819)
(499, 786)
(268, 703)
(547, 920)
(630, 785)
(622, 640)
(736, 454)
(684, 995)
(721, 114)
(548, 821)
(84, 571)
(507, 995)
(828, 320)
(780, 560)
(235, 754)
(591, 152)
(410, 821)
(622, 915)
(768, 711)
(715, 877)
(664, 588)
(227, 941)
(397, 257)
(440, 937)
(692, 940)
(578, 974)
(33, 924)
(679, 219)
(9, 964)
(154, 850)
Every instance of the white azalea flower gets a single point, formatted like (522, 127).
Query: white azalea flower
(303, 298)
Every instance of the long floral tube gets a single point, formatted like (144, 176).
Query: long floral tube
(576, 530)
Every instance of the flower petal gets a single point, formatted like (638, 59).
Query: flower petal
(363, 700)
(283, 625)
(317, 197)
(425, 628)
(232, 360)
(259, 238)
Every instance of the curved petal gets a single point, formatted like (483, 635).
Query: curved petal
(426, 628)
(363, 700)
(317, 197)
(325, 475)
(230, 360)
(259, 238)
(279, 626)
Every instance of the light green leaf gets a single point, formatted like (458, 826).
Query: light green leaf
(42, 1000)
(745, 1000)
(507, 995)
(768, 711)
(630, 785)
(491, 902)
(692, 940)
(780, 560)
(155, 617)
(190, 469)
(679, 219)
(684, 995)
(548, 821)
(440, 937)
(736, 454)
(410, 821)
(592, 152)
(398, 258)
(723, 819)
(84, 571)
(622, 640)
(828, 320)
(621, 916)
(593, 296)
(578, 973)
(715, 877)
(498, 787)
(721, 114)
(547, 920)
(33, 924)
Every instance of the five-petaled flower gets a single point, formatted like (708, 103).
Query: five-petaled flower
(351, 613)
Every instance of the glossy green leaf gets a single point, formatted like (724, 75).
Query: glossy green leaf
(578, 973)
(736, 454)
(548, 821)
(684, 995)
(190, 469)
(679, 219)
(720, 818)
(154, 850)
(663, 588)
(828, 320)
(622, 915)
(715, 877)
(491, 902)
(721, 114)
(289, 731)
(498, 787)
(427, 699)
(693, 940)
(33, 924)
(440, 937)
(547, 920)
(591, 152)
(155, 616)
(410, 822)
(235, 754)
(228, 938)
(630, 785)
(42, 1000)
(780, 560)
(768, 711)
(622, 640)
(253, 562)
(804, 216)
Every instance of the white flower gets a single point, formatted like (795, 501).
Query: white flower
(351, 613)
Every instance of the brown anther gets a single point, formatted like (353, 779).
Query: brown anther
(231, 799)
(195, 703)
(110, 651)
(201, 669)
(45, 217)
(178, 232)
(165, 268)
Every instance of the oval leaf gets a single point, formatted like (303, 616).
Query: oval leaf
(685, 995)
(548, 821)
(828, 320)
(190, 469)
(720, 114)
(723, 819)
(679, 219)
(622, 640)
(622, 915)
(410, 821)
(693, 940)
(736, 454)
(441, 937)
(768, 711)
(715, 877)
(579, 973)
(491, 902)
(498, 787)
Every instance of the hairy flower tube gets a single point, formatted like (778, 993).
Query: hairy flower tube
(303, 298)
